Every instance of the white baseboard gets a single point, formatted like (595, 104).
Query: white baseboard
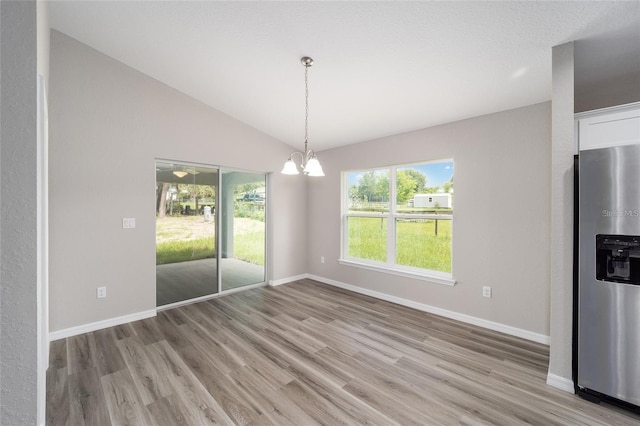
(560, 383)
(98, 325)
(506, 329)
(552, 380)
(281, 281)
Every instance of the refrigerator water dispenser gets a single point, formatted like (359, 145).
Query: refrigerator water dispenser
(618, 258)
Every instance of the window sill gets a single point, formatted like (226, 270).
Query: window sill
(434, 277)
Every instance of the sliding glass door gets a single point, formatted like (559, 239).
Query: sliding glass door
(242, 229)
(198, 209)
(186, 261)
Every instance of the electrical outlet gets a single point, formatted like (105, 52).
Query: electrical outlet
(486, 291)
(321, 259)
(101, 292)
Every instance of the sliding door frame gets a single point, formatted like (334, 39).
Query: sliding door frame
(218, 234)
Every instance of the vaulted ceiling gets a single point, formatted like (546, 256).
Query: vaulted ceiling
(381, 68)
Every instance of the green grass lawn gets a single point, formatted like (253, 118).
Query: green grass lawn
(417, 244)
(368, 238)
(180, 239)
(180, 251)
(248, 247)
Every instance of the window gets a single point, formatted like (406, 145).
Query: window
(399, 219)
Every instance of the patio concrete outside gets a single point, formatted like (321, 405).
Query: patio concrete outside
(180, 281)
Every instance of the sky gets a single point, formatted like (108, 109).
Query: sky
(437, 173)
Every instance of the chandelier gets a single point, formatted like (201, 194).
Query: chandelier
(308, 161)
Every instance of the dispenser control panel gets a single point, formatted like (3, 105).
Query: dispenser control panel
(618, 258)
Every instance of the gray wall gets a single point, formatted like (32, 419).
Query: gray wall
(108, 123)
(501, 224)
(613, 91)
(18, 248)
(610, 78)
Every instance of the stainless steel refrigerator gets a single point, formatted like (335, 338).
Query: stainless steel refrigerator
(609, 274)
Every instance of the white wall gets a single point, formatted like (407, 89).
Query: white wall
(108, 123)
(43, 32)
(505, 247)
(18, 248)
(562, 216)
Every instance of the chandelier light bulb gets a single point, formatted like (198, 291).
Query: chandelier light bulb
(290, 168)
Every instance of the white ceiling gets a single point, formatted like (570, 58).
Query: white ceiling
(381, 68)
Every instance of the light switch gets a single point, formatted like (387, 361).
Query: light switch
(128, 222)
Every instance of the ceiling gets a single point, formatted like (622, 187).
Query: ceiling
(381, 68)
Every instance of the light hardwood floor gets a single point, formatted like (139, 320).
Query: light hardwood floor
(305, 354)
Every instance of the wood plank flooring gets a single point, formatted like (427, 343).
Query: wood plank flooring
(306, 354)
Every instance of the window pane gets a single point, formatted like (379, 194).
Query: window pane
(186, 263)
(367, 238)
(368, 191)
(242, 229)
(424, 243)
(425, 188)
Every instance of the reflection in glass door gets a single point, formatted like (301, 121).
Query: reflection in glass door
(186, 261)
(242, 229)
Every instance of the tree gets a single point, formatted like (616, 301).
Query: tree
(374, 186)
(419, 178)
(405, 186)
(161, 199)
(250, 187)
(448, 186)
(382, 187)
(354, 194)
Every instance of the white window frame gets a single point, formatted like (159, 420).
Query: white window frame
(390, 266)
